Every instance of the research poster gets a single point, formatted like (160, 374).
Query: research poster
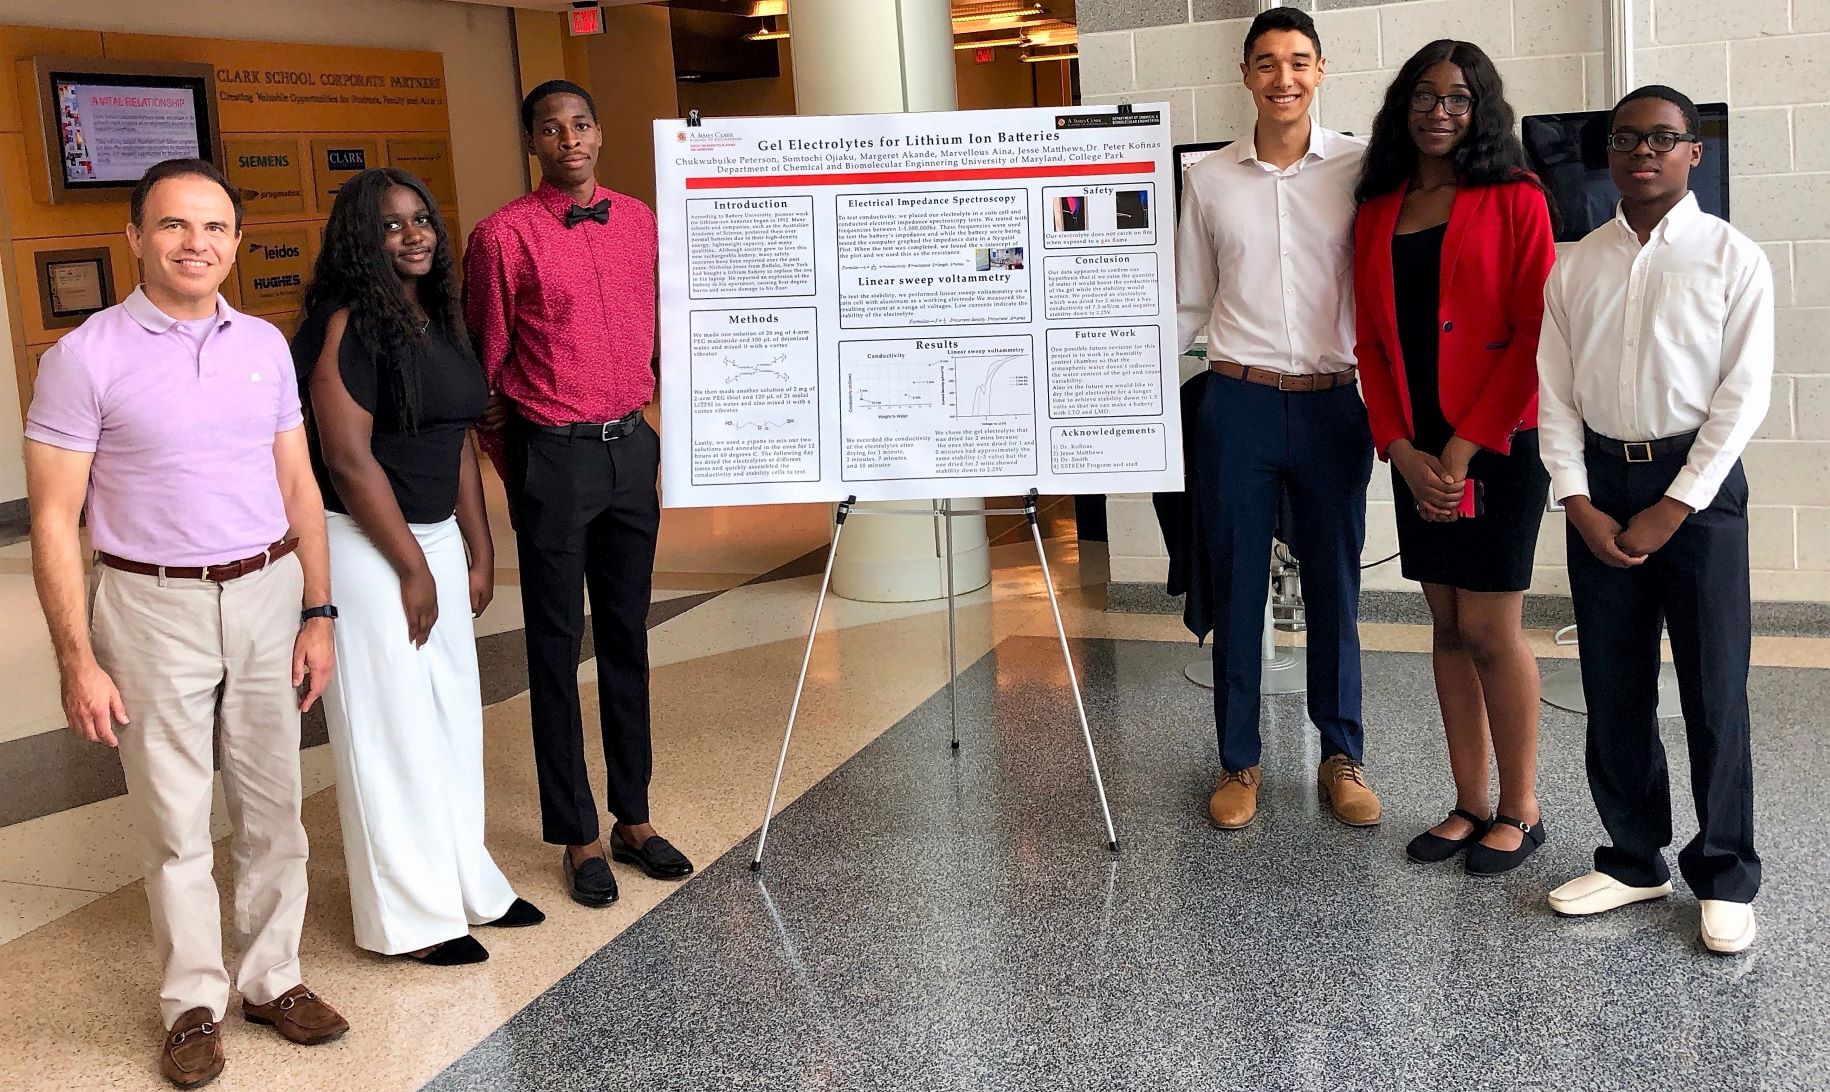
(908, 306)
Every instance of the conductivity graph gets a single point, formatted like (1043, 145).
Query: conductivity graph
(964, 377)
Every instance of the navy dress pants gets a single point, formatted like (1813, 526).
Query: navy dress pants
(1696, 587)
(1252, 444)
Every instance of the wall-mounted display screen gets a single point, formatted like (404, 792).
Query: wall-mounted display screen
(1569, 152)
(108, 121)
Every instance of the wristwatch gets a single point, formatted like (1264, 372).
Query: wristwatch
(325, 611)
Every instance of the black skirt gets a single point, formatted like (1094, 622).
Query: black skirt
(1492, 552)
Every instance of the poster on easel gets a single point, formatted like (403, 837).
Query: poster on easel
(908, 306)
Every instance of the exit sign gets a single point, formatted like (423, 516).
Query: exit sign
(984, 55)
(587, 20)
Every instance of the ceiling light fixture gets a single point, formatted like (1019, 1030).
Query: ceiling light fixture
(990, 43)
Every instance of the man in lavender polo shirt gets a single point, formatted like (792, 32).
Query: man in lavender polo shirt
(177, 420)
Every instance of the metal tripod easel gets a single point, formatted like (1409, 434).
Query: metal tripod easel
(947, 513)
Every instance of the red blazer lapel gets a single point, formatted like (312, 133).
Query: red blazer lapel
(1463, 214)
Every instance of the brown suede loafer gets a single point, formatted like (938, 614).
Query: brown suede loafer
(298, 1015)
(192, 1055)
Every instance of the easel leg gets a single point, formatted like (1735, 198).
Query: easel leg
(801, 684)
(1099, 784)
(946, 507)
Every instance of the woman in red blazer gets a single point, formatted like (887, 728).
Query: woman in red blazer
(1452, 247)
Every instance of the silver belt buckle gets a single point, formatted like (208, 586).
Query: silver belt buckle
(603, 433)
(1281, 376)
(1638, 451)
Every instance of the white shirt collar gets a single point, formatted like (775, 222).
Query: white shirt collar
(1248, 144)
(1681, 216)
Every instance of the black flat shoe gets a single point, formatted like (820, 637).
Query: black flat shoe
(456, 952)
(591, 883)
(656, 856)
(521, 913)
(1429, 848)
(1487, 861)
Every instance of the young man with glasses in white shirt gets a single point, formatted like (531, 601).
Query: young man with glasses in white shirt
(1655, 369)
(1265, 262)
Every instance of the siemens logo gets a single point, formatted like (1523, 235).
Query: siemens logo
(274, 253)
(250, 161)
(347, 159)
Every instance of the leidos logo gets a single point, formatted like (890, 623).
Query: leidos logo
(273, 253)
(346, 159)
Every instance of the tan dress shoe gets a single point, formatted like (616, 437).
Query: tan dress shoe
(299, 1015)
(1342, 783)
(192, 1054)
(1235, 801)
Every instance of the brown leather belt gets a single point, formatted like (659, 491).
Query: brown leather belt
(1283, 381)
(228, 570)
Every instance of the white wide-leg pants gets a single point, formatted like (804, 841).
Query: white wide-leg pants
(406, 732)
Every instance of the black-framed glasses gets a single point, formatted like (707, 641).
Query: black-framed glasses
(1659, 140)
(1422, 102)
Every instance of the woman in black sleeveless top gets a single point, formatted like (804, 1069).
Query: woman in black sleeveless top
(390, 388)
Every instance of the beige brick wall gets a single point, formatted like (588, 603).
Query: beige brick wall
(1768, 59)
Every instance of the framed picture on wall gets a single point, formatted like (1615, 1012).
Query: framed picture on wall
(73, 284)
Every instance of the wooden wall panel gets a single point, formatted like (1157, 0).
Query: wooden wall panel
(266, 91)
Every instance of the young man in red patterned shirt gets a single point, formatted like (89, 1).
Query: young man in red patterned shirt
(560, 297)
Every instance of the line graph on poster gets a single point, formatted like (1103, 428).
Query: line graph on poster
(949, 378)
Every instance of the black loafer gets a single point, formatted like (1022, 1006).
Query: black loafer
(1429, 848)
(456, 952)
(521, 914)
(591, 883)
(656, 856)
(1487, 861)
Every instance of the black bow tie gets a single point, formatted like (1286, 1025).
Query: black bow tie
(578, 214)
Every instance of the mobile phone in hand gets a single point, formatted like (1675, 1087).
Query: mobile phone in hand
(1473, 500)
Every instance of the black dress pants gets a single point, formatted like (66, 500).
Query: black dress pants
(1697, 588)
(586, 514)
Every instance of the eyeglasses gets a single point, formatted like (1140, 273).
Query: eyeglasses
(1660, 141)
(1455, 106)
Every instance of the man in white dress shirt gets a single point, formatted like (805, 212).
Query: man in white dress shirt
(1265, 262)
(1656, 368)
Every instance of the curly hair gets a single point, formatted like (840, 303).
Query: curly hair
(1489, 153)
(353, 271)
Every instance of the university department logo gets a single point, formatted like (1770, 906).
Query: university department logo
(346, 159)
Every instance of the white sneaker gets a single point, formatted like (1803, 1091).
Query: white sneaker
(1728, 927)
(1598, 892)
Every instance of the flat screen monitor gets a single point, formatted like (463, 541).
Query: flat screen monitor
(1570, 153)
(106, 122)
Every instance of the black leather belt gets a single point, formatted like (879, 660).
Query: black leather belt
(1639, 451)
(590, 430)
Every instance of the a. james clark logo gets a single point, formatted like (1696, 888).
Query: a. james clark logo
(346, 159)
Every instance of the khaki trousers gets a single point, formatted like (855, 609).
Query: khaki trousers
(189, 657)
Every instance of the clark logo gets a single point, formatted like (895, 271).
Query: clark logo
(346, 159)
(274, 253)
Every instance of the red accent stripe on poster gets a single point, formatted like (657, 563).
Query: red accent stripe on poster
(957, 174)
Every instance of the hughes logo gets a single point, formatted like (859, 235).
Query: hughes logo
(273, 253)
(346, 159)
(283, 280)
(252, 161)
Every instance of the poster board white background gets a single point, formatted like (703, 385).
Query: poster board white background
(906, 306)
